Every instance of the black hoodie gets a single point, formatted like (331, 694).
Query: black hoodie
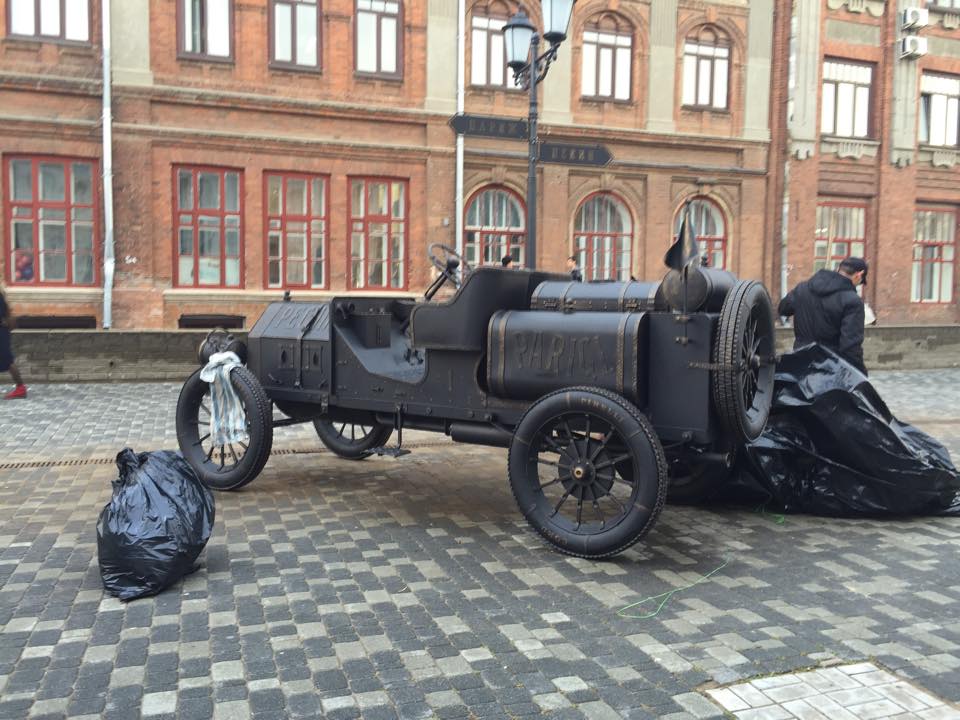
(828, 311)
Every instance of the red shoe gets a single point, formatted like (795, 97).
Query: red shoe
(20, 391)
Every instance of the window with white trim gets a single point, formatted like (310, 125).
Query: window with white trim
(296, 230)
(710, 227)
(50, 212)
(603, 238)
(939, 110)
(606, 59)
(934, 235)
(845, 109)
(209, 227)
(840, 233)
(494, 228)
(378, 37)
(378, 233)
(706, 70)
(49, 19)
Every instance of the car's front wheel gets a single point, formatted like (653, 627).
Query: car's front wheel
(231, 465)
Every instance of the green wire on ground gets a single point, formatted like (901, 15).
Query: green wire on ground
(622, 612)
(778, 518)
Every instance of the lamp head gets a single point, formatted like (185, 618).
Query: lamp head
(517, 34)
(556, 20)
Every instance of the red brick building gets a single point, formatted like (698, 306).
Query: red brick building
(292, 144)
(871, 153)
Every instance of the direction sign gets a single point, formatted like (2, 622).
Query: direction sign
(565, 154)
(487, 126)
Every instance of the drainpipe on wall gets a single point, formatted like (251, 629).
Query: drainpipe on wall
(785, 211)
(461, 69)
(107, 123)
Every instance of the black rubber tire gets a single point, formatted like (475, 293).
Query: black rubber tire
(351, 449)
(259, 413)
(647, 461)
(744, 418)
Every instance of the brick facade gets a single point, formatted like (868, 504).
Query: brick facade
(248, 115)
(889, 172)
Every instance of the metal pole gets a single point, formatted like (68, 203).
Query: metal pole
(532, 158)
(107, 123)
(458, 179)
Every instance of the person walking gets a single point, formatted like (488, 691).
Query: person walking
(6, 351)
(827, 310)
(506, 261)
(575, 273)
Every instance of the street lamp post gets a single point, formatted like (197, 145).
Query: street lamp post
(529, 70)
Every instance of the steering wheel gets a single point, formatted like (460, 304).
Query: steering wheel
(446, 260)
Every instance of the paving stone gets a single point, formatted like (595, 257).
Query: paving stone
(416, 584)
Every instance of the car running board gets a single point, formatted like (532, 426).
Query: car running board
(393, 452)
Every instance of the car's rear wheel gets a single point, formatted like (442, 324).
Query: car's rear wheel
(232, 465)
(744, 353)
(587, 471)
(351, 440)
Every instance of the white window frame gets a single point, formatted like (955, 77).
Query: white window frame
(846, 99)
(936, 254)
(939, 123)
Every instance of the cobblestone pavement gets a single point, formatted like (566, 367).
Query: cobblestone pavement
(412, 588)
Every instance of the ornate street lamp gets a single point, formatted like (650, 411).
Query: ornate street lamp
(529, 69)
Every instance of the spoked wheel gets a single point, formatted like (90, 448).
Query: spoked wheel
(350, 440)
(233, 465)
(588, 472)
(745, 357)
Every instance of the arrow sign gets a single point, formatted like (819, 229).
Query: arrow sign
(487, 126)
(564, 154)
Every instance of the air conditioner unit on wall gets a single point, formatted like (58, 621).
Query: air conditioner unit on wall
(913, 46)
(915, 18)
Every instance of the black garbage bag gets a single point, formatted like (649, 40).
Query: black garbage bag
(832, 447)
(155, 526)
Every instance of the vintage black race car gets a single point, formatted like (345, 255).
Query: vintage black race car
(607, 394)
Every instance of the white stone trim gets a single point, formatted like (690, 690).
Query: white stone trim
(874, 7)
(849, 147)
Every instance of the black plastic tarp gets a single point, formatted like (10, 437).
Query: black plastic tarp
(832, 447)
(155, 526)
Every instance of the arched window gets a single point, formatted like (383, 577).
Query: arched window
(711, 229)
(607, 56)
(603, 238)
(495, 227)
(706, 69)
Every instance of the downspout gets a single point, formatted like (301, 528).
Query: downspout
(461, 70)
(107, 124)
(785, 210)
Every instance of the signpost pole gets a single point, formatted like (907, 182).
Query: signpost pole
(531, 259)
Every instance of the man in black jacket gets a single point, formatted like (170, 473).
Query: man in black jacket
(828, 310)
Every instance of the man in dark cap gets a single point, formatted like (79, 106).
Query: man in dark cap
(827, 310)
(506, 261)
